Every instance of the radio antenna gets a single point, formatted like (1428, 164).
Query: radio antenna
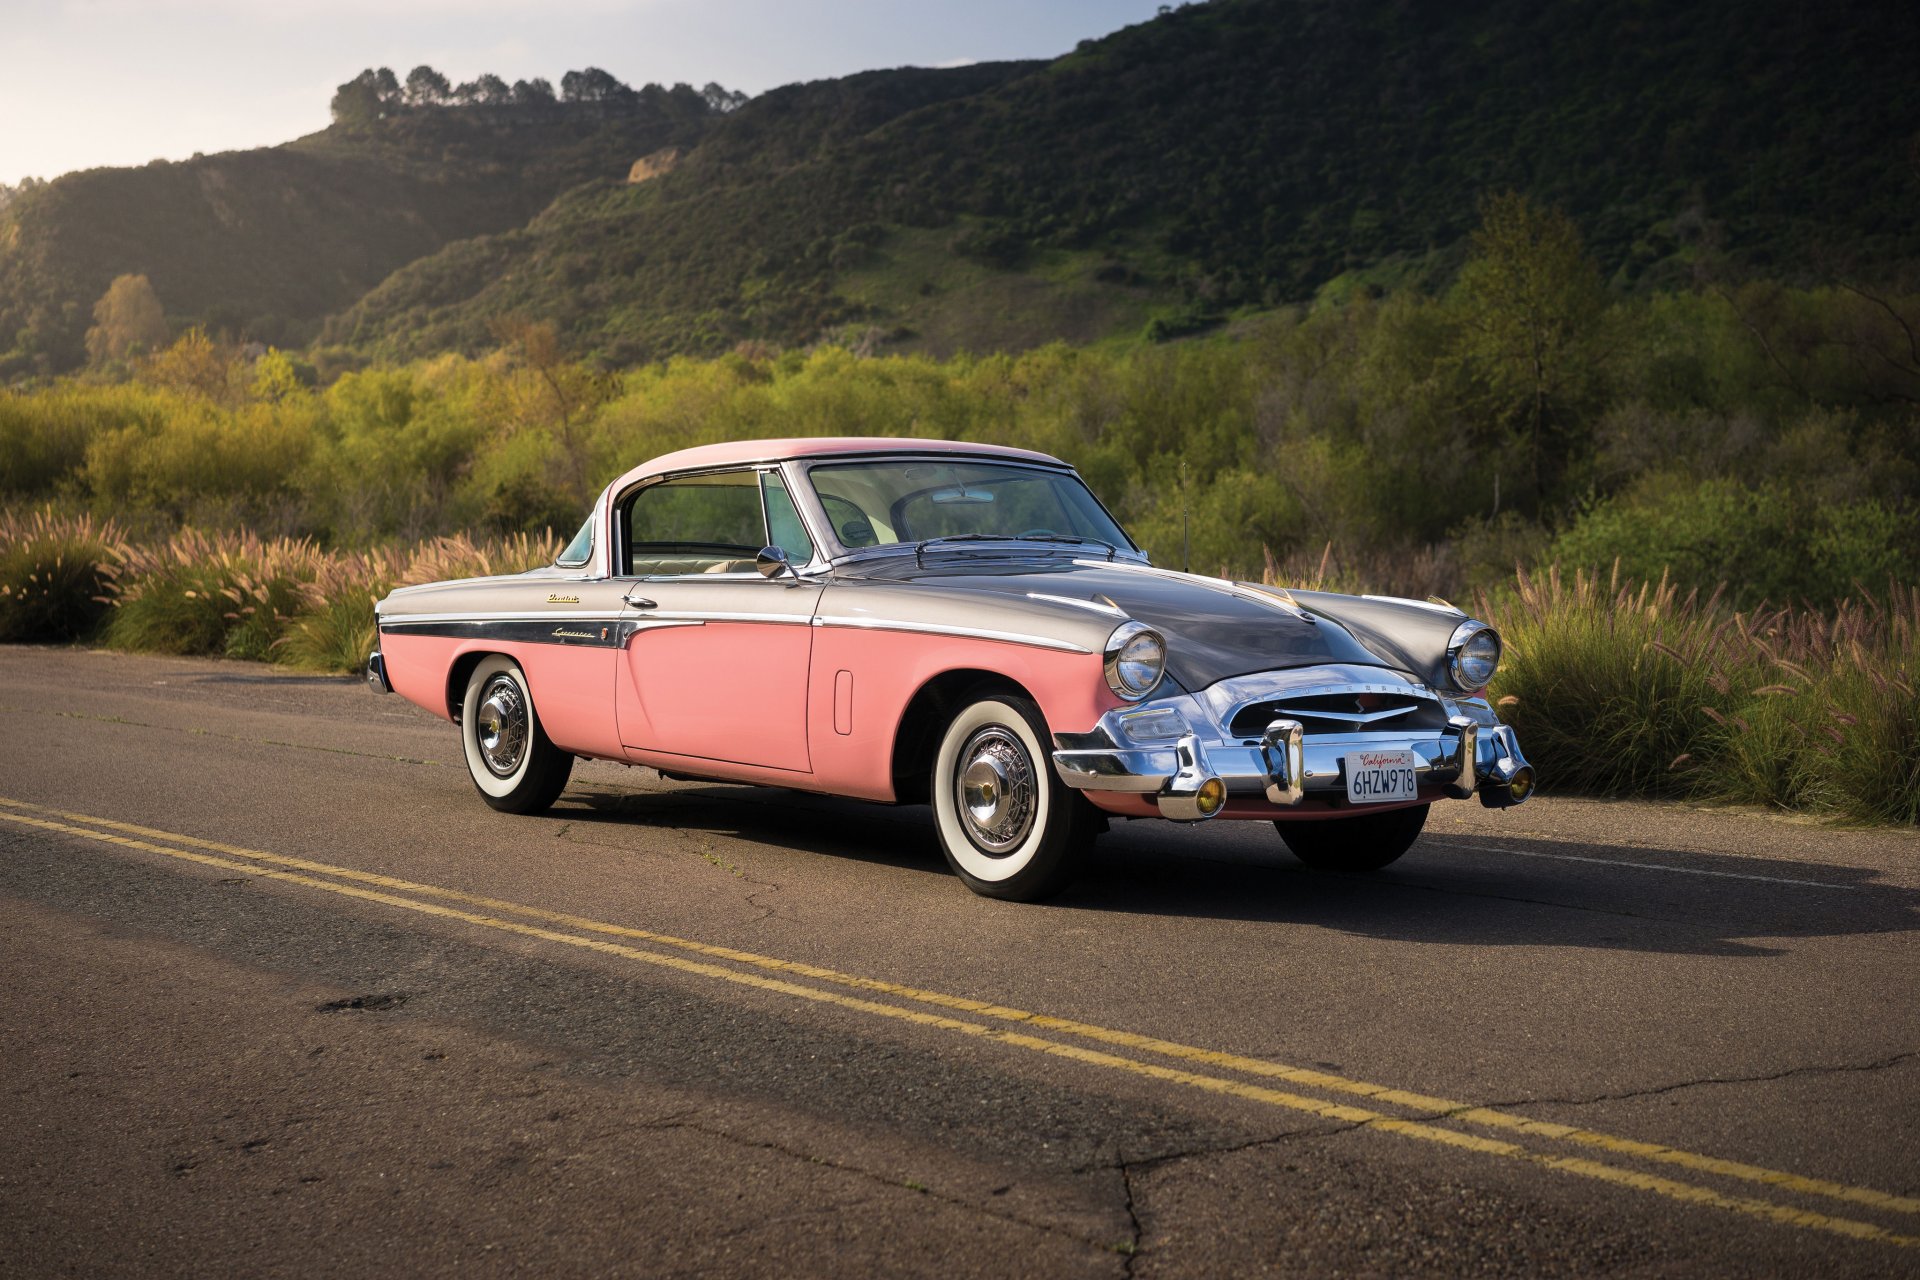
(1186, 542)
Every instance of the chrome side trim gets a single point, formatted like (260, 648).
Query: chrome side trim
(1112, 611)
(702, 615)
(549, 615)
(1430, 605)
(937, 629)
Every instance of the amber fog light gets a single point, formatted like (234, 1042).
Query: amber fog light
(1522, 784)
(1212, 794)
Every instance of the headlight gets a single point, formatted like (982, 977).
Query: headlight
(1136, 657)
(1473, 655)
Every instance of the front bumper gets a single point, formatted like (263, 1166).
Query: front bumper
(1473, 754)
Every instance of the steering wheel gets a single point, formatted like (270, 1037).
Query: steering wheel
(1038, 533)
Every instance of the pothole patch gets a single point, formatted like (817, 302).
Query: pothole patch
(377, 1003)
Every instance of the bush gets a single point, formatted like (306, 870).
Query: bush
(196, 593)
(1765, 543)
(1639, 690)
(54, 572)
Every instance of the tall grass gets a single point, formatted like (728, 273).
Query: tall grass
(236, 595)
(228, 594)
(53, 574)
(1620, 688)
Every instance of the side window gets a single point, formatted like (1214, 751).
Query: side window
(784, 527)
(580, 550)
(697, 524)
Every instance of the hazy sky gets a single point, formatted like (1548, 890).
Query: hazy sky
(115, 82)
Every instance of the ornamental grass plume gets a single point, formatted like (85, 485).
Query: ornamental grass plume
(334, 630)
(53, 575)
(228, 594)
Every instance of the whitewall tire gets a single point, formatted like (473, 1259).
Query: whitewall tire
(514, 766)
(1008, 826)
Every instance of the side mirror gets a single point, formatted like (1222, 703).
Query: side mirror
(772, 562)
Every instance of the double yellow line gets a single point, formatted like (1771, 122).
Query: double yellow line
(1014, 1027)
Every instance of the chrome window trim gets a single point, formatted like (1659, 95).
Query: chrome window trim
(939, 629)
(841, 553)
(619, 551)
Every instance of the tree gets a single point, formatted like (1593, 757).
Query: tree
(127, 321)
(1530, 300)
(427, 87)
(537, 92)
(487, 90)
(194, 365)
(591, 85)
(368, 97)
(722, 99)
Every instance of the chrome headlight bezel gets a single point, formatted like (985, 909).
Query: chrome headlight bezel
(1123, 657)
(1468, 667)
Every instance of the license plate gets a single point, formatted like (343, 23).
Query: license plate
(1376, 777)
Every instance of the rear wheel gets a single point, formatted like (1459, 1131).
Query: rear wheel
(514, 766)
(1365, 843)
(1008, 826)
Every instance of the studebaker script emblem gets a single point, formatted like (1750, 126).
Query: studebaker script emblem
(580, 635)
(563, 599)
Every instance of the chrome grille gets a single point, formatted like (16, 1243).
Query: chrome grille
(1361, 709)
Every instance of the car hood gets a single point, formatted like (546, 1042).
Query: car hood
(1214, 629)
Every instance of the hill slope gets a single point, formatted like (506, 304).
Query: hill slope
(270, 240)
(1239, 152)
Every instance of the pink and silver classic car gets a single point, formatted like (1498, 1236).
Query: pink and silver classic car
(918, 621)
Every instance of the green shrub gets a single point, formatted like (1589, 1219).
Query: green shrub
(1766, 543)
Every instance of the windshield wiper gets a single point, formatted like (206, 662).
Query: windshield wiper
(1070, 537)
(919, 549)
(1067, 538)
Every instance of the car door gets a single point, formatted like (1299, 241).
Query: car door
(715, 664)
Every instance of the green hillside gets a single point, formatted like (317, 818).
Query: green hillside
(266, 242)
(1229, 155)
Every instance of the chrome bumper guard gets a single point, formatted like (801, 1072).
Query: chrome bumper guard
(1288, 768)
(377, 674)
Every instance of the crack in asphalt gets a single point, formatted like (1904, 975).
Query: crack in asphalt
(1132, 1247)
(701, 844)
(1654, 1091)
(685, 1123)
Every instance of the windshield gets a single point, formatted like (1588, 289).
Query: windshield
(874, 504)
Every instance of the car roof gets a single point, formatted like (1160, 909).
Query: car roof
(744, 452)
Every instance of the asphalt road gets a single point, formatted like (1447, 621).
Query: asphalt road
(280, 996)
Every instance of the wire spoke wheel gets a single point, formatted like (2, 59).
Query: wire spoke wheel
(513, 764)
(501, 723)
(1008, 826)
(996, 790)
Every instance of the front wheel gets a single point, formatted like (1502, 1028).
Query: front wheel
(1008, 826)
(514, 766)
(1366, 843)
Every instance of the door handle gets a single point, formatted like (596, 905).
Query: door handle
(641, 602)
